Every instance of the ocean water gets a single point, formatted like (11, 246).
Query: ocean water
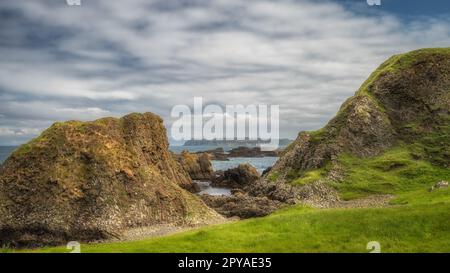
(260, 163)
(206, 188)
(5, 152)
(194, 149)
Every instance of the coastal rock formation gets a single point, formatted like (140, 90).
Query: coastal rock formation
(94, 180)
(239, 177)
(251, 196)
(406, 100)
(281, 192)
(242, 205)
(217, 154)
(198, 166)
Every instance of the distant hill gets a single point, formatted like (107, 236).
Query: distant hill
(5, 152)
(234, 143)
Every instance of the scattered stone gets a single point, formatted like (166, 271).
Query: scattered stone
(280, 192)
(439, 185)
(318, 194)
(241, 205)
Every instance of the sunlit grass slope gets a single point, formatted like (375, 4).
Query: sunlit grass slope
(394, 172)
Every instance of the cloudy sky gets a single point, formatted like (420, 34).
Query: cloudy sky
(109, 58)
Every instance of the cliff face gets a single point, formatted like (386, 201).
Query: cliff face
(406, 100)
(94, 180)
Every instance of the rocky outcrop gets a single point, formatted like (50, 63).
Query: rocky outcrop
(239, 177)
(242, 205)
(198, 166)
(94, 180)
(282, 192)
(406, 100)
(217, 154)
(251, 196)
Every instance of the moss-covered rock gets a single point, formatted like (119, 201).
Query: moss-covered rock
(94, 180)
(406, 100)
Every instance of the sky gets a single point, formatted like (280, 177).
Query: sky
(110, 58)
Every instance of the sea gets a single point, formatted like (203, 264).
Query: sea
(6, 151)
(260, 163)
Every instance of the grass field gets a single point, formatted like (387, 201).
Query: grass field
(418, 221)
(415, 227)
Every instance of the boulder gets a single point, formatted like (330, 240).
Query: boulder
(439, 185)
(238, 177)
(281, 192)
(242, 205)
(85, 181)
(198, 166)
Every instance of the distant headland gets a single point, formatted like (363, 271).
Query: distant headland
(234, 143)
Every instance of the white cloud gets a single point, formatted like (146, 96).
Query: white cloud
(112, 57)
(18, 132)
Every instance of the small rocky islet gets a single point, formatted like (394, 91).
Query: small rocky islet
(96, 180)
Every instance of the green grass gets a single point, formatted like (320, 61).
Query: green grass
(273, 177)
(410, 228)
(423, 197)
(418, 221)
(394, 172)
(308, 177)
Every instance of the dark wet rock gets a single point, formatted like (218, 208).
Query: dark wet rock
(250, 152)
(281, 192)
(266, 171)
(242, 205)
(238, 177)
